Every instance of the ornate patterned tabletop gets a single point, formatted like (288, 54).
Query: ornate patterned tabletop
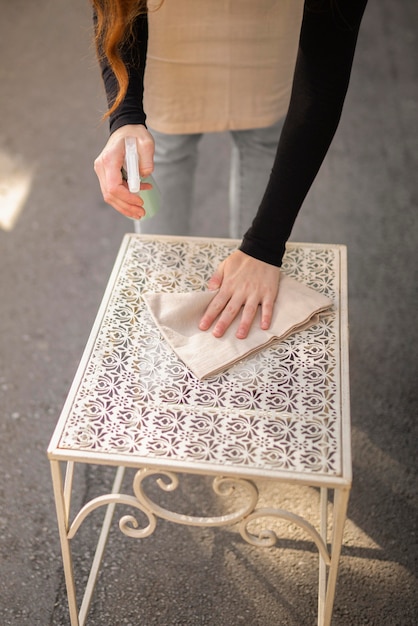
(281, 410)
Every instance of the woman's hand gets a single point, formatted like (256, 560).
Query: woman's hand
(108, 167)
(244, 283)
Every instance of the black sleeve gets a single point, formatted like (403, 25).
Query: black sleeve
(326, 50)
(133, 53)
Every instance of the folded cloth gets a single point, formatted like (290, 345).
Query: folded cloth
(178, 315)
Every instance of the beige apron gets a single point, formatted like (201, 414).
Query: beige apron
(215, 65)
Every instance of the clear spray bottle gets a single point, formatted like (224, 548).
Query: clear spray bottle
(151, 197)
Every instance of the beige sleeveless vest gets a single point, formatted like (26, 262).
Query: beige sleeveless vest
(215, 65)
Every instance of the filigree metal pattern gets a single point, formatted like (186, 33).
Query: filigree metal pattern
(277, 410)
(222, 486)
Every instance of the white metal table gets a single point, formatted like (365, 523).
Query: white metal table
(282, 414)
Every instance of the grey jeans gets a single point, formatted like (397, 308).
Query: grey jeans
(175, 161)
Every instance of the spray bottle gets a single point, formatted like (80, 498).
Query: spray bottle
(151, 197)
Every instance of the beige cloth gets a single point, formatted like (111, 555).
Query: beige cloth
(178, 314)
(215, 65)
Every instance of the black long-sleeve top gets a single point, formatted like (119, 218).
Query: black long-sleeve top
(327, 43)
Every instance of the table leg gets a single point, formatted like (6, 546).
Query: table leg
(100, 548)
(62, 492)
(323, 531)
(62, 504)
(341, 497)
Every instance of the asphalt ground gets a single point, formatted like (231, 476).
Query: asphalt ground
(58, 242)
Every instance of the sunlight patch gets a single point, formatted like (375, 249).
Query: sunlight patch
(15, 184)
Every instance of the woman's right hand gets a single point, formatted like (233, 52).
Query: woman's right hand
(108, 166)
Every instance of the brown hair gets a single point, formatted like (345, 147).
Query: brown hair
(114, 19)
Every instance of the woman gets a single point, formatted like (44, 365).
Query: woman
(249, 277)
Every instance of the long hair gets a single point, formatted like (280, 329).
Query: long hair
(114, 19)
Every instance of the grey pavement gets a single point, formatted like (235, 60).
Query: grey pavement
(55, 258)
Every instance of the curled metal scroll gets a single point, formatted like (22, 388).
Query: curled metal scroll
(268, 537)
(128, 524)
(222, 486)
(167, 481)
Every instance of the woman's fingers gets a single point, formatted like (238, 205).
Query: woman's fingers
(267, 307)
(145, 143)
(244, 283)
(116, 193)
(247, 317)
(108, 166)
(231, 311)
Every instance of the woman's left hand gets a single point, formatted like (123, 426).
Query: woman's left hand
(244, 283)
